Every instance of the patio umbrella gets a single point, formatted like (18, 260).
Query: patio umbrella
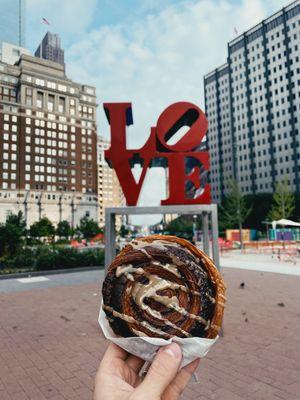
(285, 222)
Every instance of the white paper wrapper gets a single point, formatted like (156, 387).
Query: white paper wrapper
(146, 347)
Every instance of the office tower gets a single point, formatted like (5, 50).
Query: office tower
(109, 190)
(48, 142)
(253, 108)
(50, 49)
(12, 22)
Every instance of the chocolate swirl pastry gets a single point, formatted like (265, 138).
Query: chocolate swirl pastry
(163, 286)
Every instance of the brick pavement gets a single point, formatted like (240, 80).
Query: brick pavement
(50, 343)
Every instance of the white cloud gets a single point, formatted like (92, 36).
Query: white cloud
(69, 18)
(161, 59)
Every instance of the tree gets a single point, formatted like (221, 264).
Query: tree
(235, 210)
(181, 226)
(88, 227)
(42, 228)
(12, 234)
(296, 213)
(260, 204)
(17, 220)
(63, 229)
(283, 201)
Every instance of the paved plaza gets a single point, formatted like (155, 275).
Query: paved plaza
(263, 261)
(51, 344)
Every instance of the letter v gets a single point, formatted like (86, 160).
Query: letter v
(118, 157)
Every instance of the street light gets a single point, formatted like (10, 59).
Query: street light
(194, 228)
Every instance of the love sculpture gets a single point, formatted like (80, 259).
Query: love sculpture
(187, 166)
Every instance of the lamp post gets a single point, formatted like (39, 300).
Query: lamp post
(26, 206)
(238, 147)
(39, 203)
(194, 228)
(73, 211)
(60, 206)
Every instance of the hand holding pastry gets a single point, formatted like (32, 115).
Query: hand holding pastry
(158, 287)
(162, 287)
(118, 375)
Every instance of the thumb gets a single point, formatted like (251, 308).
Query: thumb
(162, 371)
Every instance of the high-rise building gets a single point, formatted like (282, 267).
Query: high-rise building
(50, 49)
(48, 143)
(109, 190)
(253, 107)
(12, 22)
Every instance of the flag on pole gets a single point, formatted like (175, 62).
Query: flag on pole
(236, 31)
(45, 21)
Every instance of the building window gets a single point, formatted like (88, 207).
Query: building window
(28, 96)
(50, 102)
(40, 100)
(62, 105)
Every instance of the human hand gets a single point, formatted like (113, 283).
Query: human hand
(118, 375)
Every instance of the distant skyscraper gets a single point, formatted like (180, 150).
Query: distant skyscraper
(109, 190)
(50, 49)
(12, 22)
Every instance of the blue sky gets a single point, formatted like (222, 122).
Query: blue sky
(149, 52)
(102, 13)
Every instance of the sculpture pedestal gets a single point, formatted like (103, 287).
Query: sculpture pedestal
(209, 214)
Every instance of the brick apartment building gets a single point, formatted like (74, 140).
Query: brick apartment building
(48, 143)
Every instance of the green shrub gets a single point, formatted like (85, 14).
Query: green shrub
(43, 257)
(67, 258)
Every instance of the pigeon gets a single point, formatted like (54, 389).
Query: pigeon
(242, 285)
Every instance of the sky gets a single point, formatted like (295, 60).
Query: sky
(151, 53)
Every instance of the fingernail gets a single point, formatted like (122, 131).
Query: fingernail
(173, 350)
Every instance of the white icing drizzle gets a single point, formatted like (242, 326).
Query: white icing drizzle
(182, 311)
(172, 302)
(141, 291)
(146, 253)
(161, 245)
(157, 315)
(138, 333)
(128, 269)
(207, 325)
(169, 267)
(211, 298)
(124, 269)
(149, 290)
(131, 320)
(200, 270)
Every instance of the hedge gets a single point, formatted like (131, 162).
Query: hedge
(45, 257)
